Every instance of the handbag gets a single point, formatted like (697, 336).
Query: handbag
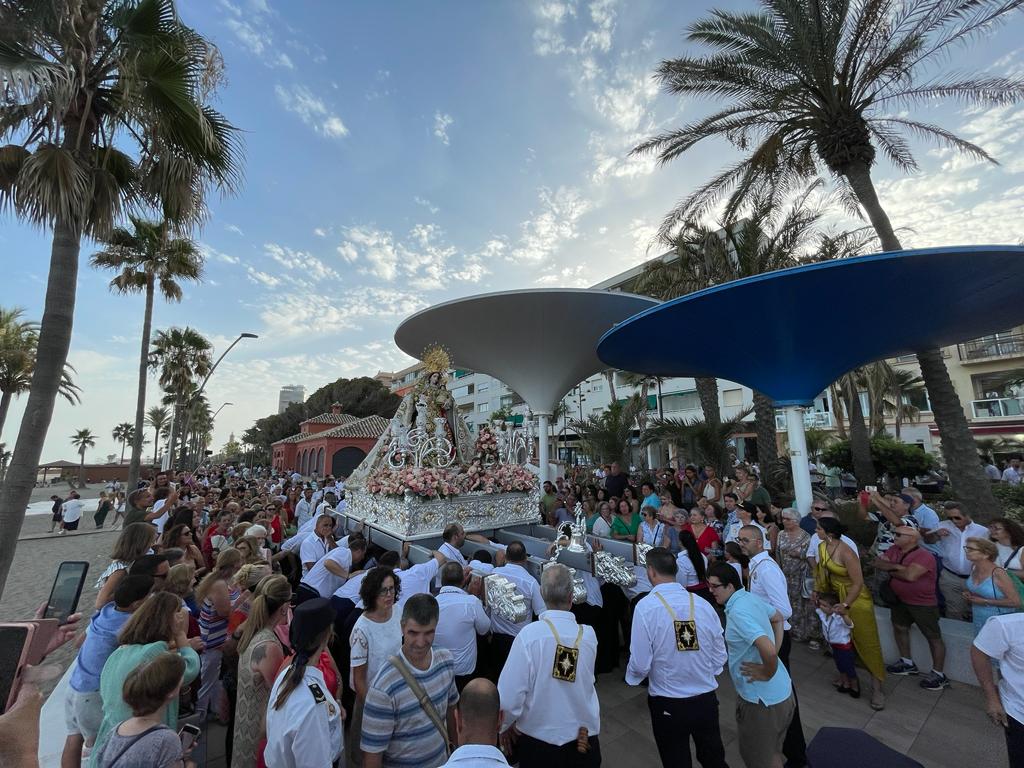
(424, 700)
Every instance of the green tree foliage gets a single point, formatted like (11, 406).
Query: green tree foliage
(359, 397)
(887, 455)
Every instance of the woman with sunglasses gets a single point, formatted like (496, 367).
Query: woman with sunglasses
(989, 590)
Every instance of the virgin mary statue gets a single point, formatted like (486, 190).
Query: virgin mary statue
(426, 411)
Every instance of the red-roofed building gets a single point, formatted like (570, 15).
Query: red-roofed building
(329, 444)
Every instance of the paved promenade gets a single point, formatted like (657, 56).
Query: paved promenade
(937, 729)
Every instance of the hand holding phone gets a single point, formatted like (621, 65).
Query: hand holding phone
(189, 735)
(66, 590)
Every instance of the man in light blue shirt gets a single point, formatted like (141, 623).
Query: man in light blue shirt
(753, 636)
(927, 519)
(650, 497)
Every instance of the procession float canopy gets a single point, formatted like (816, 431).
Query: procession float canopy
(541, 342)
(791, 333)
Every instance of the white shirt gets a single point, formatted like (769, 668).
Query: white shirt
(416, 579)
(835, 630)
(350, 589)
(686, 574)
(1009, 557)
(768, 582)
(653, 652)
(462, 619)
(161, 521)
(321, 579)
(450, 553)
(1000, 638)
(312, 549)
(1011, 476)
(733, 531)
(373, 643)
(540, 706)
(528, 587)
(294, 544)
(602, 528)
(72, 510)
(479, 567)
(303, 733)
(812, 546)
(477, 756)
(594, 596)
(951, 548)
(303, 511)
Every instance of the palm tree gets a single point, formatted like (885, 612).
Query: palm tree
(830, 83)
(889, 392)
(108, 102)
(707, 442)
(607, 436)
(18, 342)
(147, 258)
(82, 439)
(860, 442)
(183, 359)
(122, 434)
(157, 417)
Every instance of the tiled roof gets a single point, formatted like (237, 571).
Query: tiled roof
(331, 418)
(371, 427)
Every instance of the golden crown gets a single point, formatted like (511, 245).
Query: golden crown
(436, 359)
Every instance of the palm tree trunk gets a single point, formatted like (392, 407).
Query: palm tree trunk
(156, 445)
(81, 468)
(609, 376)
(837, 413)
(764, 425)
(51, 355)
(123, 444)
(135, 467)
(5, 406)
(175, 431)
(965, 471)
(860, 443)
(707, 391)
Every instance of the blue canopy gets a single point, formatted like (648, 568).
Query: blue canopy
(791, 333)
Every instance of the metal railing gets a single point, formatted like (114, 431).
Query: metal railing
(812, 420)
(1007, 345)
(996, 407)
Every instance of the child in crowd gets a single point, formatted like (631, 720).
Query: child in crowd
(83, 706)
(144, 740)
(835, 626)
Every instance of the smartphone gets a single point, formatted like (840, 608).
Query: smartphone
(67, 588)
(871, 488)
(15, 644)
(188, 735)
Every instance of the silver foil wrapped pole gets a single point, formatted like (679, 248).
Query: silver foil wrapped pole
(641, 554)
(579, 588)
(614, 569)
(504, 599)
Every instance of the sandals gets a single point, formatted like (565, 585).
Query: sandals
(878, 701)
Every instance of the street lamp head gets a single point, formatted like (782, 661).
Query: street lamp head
(249, 336)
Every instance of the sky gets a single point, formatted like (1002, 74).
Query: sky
(399, 154)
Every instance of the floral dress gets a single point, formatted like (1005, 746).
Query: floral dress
(792, 551)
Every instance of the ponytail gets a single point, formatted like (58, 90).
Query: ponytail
(270, 593)
(298, 667)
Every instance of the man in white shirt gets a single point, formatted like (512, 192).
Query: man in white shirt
(462, 619)
(318, 544)
(416, 578)
(768, 582)
(329, 502)
(1012, 473)
(504, 631)
(305, 508)
(477, 723)
(949, 537)
(677, 643)
(71, 512)
(331, 571)
(1002, 640)
(547, 687)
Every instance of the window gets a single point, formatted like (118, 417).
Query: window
(597, 386)
(918, 398)
(483, 386)
(506, 401)
(465, 389)
(732, 397)
(484, 407)
(680, 401)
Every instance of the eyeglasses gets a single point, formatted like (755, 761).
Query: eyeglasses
(820, 509)
(713, 586)
(386, 591)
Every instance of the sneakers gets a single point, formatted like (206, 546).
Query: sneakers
(935, 681)
(902, 668)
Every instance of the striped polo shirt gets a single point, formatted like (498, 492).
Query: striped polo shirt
(395, 724)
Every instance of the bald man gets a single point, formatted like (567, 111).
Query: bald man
(477, 722)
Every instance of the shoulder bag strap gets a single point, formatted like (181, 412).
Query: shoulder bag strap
(131, 743)
(1006, 563)
(423, 698)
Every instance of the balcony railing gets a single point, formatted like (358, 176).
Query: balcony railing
(997, 407)
(812, 420)
(1007, 345)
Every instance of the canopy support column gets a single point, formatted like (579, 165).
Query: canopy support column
(542, 453)
(798, 458)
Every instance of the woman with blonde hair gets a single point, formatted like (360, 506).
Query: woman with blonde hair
(250, 549)
(260, 655)
(134, 541)
(989, 590)
(215, 597)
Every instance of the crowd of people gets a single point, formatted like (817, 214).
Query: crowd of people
(247, 598)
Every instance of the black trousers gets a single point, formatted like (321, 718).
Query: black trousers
(586, 613)
(501, 644)
(609, 644)
(676, 721)
(794, 748)
(534, 753)
(1015, 742)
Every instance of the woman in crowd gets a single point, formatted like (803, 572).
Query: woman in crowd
(743, 485)
(180, 536)
(276, 524)
(102, 509)
(216, 597)
(791, 553)
(249, 549)
(376, 636)
(260, 653)
(288, 508)
(691, 487)
(692, 565)
(839, 571)
(704, 534)
(302, 730)
(159, 625)
(989, 588)
(133, 542)
(244, 581)
(625, 524)
(179, 582)
(712, 486)
(603, 522)
(1008, 536)
(629, 495)
(144, 740)
(652, 531)
(766, 520)
(734, 556)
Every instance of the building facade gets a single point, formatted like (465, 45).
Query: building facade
(332, 443)
(292, 393)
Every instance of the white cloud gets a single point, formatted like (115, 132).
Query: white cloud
(311, 110)
(256, 41)
(555, 224)
(284, 60)
(234, 228)
(209, 252)
(567, 277)
(307, 265)
(320, 232)
(442, 122)
(426, 204)
(262, 278)
(324, 313)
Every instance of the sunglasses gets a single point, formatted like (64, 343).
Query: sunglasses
(820, 509)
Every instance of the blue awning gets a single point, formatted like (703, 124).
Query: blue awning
(791, 333)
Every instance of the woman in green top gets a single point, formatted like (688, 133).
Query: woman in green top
(159, 625)
(625, 523)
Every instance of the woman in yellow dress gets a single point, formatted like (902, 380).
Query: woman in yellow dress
(839, 571)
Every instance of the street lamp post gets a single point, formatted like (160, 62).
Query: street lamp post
(195, 396)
